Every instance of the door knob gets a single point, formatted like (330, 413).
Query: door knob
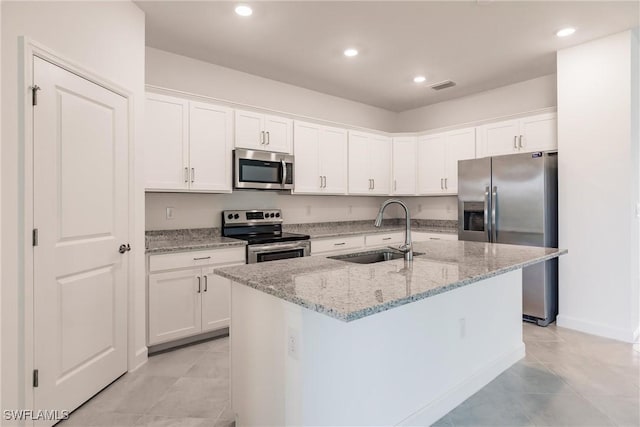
(124, 248)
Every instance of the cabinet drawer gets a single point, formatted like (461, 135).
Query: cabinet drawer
(336, 244)
(196, 258)
(383, 239)
(420, 236)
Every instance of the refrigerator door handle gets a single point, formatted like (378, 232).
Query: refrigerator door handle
(494, 204)
(486, 213)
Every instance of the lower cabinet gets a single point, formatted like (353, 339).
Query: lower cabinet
(188, 301)
(422, 236)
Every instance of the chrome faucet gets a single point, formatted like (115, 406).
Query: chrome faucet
(407, 248)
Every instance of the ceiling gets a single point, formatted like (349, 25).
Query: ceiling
(478, 44)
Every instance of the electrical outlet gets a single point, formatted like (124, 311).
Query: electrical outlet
(350, 209)
(420, 208)
(308, 210)
(292, 343)
(170, 213)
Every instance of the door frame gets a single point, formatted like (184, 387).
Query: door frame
(27, 50)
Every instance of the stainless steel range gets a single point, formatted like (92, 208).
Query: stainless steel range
(262, 229)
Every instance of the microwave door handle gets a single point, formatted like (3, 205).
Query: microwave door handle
(486, 212)
(284, 172)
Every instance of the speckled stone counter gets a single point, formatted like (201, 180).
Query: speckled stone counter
(348, 291)
(345, 228)
(164, 241)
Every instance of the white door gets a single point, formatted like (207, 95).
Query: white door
(249, 127)
(460, 145)
(166, 143)
(210, 147)
(380, 164)
(174, 305)
(216, 301)
(539, 133)
(499, 138)
(404, 166)
(431, 160)
(333, 160)
(81, 210)
(306, 172)
(278, 134)
(359, 177)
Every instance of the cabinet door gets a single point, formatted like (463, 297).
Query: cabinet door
(306, 169)
(174, 305)
(216, 301)
(404, 166)
(380, 164)
(333, 160)
(499, 138)
(210, 147)
(459, 145)
(539, 133)
(359, 177)
(249, 129)
(166, 143)
(278, 134)
(431, 160)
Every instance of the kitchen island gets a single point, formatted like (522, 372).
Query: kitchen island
(319, 341)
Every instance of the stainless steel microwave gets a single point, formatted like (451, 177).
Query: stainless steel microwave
(262, 170)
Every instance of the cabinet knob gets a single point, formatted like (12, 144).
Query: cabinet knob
(124, 248)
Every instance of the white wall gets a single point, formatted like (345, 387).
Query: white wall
(203, 210)
(178, 72)
(107, 37)
(598, 186)
(517, 98)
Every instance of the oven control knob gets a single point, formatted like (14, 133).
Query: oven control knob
(230, 216)
(277, 215)
(272, 215)
(236, 216)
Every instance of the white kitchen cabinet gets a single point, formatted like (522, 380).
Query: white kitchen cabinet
(422, 236)
(404, 151)
(383, 239)
(187, 300)
(438, 157)
(256, 131)
(336, 245)
(527, 134)
(321, 159)
(369, 164)
(188, 145)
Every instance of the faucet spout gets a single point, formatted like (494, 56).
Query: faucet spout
(407, 248)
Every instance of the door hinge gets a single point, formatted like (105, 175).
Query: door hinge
(35, 237)
(35, 378)
(34, 94)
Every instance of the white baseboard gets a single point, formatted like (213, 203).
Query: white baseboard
(435, 410)
(140, 358)
(593, 328)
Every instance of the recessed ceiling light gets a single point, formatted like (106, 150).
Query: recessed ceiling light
(244, 10)
(565, 32)
(419, 79)
(350, 52)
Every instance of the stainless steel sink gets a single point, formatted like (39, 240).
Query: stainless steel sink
(371, 257)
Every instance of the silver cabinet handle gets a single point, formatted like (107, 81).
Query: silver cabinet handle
(395, 185)
(520, 142)
(324, 180)
(486, 213)
(494, 209)
(442, 183)
(340, 244)
(374, 183)
(386, 238)
(186, 174)
(261, 137)
(321, 181)
(206, 282)
(199, 288)
(515, 142)
(446, 187)
(268, 138)
(369, 183)
(201, 258)
(193, 174)
(284, 172)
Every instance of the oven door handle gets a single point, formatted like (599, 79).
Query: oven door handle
(284, 172)
(278, 247)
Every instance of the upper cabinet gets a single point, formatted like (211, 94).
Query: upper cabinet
(188, 145)
(438, 156)
(320, 159)
(404, 151)
(257, 131)
(533, 133)
(369, 164)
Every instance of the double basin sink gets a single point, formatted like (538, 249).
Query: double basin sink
(371, 257)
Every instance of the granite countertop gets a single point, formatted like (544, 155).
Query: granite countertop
(165, 241)
(348, 291)
(345, 228)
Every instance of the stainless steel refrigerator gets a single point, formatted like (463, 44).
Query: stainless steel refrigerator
(513, 199)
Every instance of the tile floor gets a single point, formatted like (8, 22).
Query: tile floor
(566, 379)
